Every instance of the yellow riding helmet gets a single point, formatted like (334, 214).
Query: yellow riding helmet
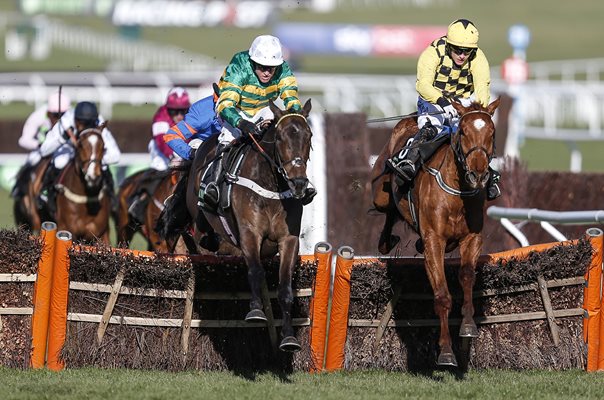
(462, 33)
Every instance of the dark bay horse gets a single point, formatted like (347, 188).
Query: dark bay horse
(83, 201)
(265, 214)
(25, 207)
(127, 226)
(445, 206)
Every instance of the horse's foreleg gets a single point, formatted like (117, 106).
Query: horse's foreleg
(387, 240)
(288, 251)
(434, 253)
(470, 250)
(250, 247)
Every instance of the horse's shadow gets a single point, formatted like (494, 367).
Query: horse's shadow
(245, 351)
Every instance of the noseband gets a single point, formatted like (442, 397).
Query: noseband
(458, 151)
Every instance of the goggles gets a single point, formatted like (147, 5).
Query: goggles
(462, 50)
(265, 68)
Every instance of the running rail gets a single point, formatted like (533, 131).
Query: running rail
(544, 217)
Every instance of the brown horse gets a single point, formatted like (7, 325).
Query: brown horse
(128, 226)
(265, 212)
(445, 206)
(83, 201)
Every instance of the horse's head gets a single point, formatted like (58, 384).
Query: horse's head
(474, 142)
(89, 155)
(293, 143)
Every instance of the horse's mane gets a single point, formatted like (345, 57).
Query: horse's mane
(475, 106)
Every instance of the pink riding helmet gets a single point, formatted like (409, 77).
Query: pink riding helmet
(178, 98)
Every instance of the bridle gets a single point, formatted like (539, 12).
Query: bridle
(458, 151)
(276, 161)
(84, 165)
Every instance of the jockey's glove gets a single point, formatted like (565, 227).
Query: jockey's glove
(246, 127)
(450, 111)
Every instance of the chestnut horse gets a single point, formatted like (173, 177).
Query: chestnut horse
(83, 201)
(128, 226)
(445, 206)
(265, 213)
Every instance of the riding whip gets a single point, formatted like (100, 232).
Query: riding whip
(399, 117)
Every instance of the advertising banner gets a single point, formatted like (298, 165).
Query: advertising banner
(357, 40)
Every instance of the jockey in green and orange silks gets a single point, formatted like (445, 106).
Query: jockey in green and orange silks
(251, 79)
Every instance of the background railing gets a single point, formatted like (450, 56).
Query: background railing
(570, 109)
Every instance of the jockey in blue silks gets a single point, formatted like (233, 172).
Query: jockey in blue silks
(199, 123)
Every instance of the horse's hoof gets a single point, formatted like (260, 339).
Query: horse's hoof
(468, 330)
(419, 245)
(290, 344)
(255, 315)
(447, 360)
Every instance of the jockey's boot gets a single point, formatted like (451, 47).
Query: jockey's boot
(493, 190)
(138, 207)
(48, 192)
(209, 193)
(406, 162)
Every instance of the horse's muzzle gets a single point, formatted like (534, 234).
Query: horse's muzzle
(298, 186)
(477, 180)
(93, 182)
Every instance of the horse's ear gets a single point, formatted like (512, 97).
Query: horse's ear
(493, 106)
(458, 107)
(306, 108)
(277, 112)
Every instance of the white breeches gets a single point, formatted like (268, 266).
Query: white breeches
(62, 155)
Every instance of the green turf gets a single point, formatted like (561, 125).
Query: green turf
(131, 384)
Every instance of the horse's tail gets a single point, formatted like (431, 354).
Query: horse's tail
(175, 217)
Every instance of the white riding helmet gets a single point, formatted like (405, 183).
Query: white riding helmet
(266, 50)
(58, 103)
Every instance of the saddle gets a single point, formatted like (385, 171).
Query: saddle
(229, 164)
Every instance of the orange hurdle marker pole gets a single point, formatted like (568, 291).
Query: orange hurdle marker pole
(591, 300)
(41, 299)
(57, 324)
(319, 306)
(338, 319)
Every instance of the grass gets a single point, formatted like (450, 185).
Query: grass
(552, 155)
(90, 383)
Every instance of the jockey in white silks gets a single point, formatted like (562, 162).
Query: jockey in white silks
(34, 133)
(57, 143)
